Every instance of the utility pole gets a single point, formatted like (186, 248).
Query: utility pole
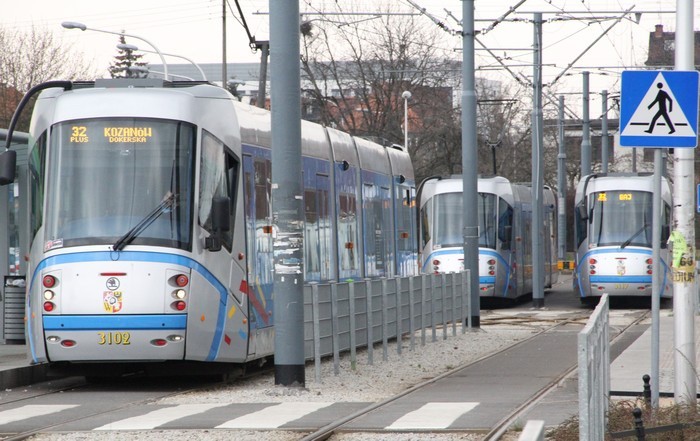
(684, 288)
(287, 203)
(537, 169)
(469, 161)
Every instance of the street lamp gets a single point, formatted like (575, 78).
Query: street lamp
(131, 47)
(406, 95)
(82, 27)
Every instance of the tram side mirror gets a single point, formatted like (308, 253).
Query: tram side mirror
(8, 163)
(220, 222)
(582, 212)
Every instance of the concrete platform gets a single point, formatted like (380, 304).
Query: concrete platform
(627, 370)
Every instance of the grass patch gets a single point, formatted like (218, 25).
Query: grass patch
(620, 418)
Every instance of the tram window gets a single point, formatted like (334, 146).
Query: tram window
(347, 232)
(218, 169)
(37, 160)
(425, 213)
(581, 225)
(505, 223)
(263, 174)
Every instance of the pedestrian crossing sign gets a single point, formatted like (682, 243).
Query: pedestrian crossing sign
(659, 109)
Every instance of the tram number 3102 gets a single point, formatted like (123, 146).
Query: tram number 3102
(114, 338)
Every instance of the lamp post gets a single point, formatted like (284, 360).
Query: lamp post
(131, 47)
(83, 27)
(406, 95)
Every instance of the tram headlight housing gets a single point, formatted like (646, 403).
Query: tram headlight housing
(51, 291)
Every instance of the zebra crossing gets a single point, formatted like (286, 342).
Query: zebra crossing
(262, 416)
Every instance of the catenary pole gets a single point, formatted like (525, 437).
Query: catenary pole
(224, 64)
(585, 130)
(287, 204)
(561, 185)
(604, 159)
(537, 169)
(469, 161)
(684, 302)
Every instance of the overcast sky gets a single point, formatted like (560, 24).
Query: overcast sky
(192, 28)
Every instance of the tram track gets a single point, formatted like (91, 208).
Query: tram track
(349, 423)
(502, 427)
(337, 427)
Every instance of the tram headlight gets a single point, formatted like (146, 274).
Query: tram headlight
(179, 305)
(182, 280)
(180, 294)
(491, 261)
(49, 281)
(48, 294)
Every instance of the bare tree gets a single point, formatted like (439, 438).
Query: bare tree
(356, 69)
(30, 58)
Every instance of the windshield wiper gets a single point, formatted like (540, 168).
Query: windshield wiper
(628, 241)
(167, 203)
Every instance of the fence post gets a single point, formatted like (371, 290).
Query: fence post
(638, 424)
(353, 337)
(647, 389)
(336, 328)
(432, 306)
(423, 308)
(463, 315)
(443, 279)
(411, 312)
(454, 304)
(370, 322)
(399, 315)
(317, 332)
(385, 319)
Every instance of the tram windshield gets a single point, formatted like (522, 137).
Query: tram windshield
(107, 175)
(621, 217)
(448, 220)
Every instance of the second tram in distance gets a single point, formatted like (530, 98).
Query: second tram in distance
(613, 236)
(505, 237)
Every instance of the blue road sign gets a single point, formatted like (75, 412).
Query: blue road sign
(659, 108)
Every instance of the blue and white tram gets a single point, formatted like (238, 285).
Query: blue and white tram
(613, 230)
(128, 260)
(505, 238)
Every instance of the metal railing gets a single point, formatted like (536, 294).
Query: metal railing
(594, 374)
(342, 317)
(533, 431)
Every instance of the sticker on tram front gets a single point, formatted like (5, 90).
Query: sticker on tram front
(112, 301)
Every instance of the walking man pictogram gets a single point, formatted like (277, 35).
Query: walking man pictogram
(661, 99)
